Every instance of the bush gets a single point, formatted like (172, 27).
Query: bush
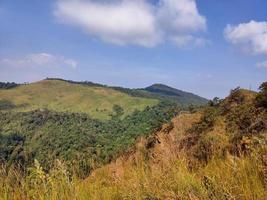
(5, 105)
(206, 122)
(211, 146)
(261, 99)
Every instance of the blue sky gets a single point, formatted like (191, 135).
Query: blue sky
(206, 47)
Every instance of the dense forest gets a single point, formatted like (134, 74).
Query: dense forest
(77, 139)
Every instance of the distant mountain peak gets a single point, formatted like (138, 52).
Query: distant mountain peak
(175, 94)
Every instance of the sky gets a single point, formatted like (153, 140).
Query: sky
(206, 47)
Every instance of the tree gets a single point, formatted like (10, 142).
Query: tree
(261, 99)
(214, 102)
(117, 112)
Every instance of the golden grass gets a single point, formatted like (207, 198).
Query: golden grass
(63, 96)
(221, 179)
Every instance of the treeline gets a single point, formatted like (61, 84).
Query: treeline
(76, 139)
(8, 85)
(88, 83)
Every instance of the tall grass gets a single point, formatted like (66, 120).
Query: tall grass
(232, 178)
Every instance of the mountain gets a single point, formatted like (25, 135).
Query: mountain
(86, 97)
(180, 96)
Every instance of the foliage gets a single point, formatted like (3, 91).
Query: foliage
(5, 105)
(8, 85)
(118, 112)
(233, 125)
(77, 139)
(206, 122)
(261, 99)
(11, 148)
(182, 97)
(215, 101)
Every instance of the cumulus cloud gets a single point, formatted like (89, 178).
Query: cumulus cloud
(251, 36)
(262, 64)
(180, 16)
(135, 22)
(38, 60)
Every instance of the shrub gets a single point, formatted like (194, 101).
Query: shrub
(5, 105)
(261, 99)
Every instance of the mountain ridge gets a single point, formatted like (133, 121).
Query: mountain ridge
(172, 92)
(96, 99)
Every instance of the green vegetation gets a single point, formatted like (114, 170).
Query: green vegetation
(63, 96)
(183, 98)
(6, 105)
(8, 85)
(77, 139)
(261, 99)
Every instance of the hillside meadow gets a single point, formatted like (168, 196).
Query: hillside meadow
(62, 96)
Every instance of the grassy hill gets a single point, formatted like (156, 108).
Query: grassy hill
(86, 97)
(155, 91)
(63, 96)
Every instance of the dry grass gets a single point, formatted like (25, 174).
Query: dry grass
(221, 179)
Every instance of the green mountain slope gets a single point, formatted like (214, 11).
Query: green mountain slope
(180, 96)
(75, 138)
(63, 96)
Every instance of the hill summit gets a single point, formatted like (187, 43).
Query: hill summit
(175, 94)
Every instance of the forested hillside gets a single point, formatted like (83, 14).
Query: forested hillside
(77, 139)
(184, 98)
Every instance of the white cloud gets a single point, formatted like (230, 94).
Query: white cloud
(135, 22)
(180, 16)
(262, 64)
(38, 60)
(251, 36)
